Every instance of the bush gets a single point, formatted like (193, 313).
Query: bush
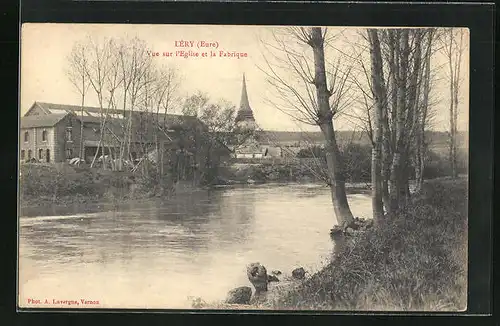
(438, 165)
(66, 182)
(357, 162)
(311, 152)
(416, 261)
(40, 180)
(356, 159)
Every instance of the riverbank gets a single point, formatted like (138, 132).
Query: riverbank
(415, 262)
(64, 184)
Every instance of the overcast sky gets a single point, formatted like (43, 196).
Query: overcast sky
(45, 47)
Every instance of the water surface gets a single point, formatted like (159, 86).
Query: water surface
(155, 254)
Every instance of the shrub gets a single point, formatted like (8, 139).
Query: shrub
(311, 152)
(41, 180)
(357, 162)
(438, 165)
(57, 181)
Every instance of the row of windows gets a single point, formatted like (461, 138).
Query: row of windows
(69, 135)
(27, 136)
(44, 155)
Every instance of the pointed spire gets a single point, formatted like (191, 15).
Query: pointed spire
(245, 112)
(244, 105)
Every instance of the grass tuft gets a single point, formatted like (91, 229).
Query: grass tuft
(414, 262)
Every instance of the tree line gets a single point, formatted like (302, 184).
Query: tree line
(122, 78)
(383, 83)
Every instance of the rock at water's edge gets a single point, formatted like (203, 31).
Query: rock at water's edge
(239, 295)
(257, 275)
(299, 273)
(349, 231)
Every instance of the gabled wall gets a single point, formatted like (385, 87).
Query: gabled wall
(56, 141)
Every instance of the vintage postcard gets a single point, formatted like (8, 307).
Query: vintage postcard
(243, 167)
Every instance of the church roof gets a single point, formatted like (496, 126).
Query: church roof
(245, 111)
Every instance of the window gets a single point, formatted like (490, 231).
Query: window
(40, 154)
(47, 156)
(69, 153)
(26, 137)
(69, 134)
(44, 135)
(23, 154)
(29, 154)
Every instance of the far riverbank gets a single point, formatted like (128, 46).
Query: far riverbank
(66, 185)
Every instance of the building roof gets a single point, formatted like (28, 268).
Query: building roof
(289, 136)
(59, 108)
(93, 114)
(252, 149)
(48, 120)
(313, 137)
(245, 111)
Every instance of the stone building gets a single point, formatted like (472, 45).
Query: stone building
(52, 133)
(51, 137)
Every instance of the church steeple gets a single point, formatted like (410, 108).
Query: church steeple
(245, 113)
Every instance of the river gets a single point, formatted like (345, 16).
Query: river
(154, 254)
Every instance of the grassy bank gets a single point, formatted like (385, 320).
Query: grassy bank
(42, 184)
(416, 261)
(307, 167)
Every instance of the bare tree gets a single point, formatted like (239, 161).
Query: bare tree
(97, 72)
(394, 108)
(77, 74)
(135, 67)
(424, 114)
(453, 48)
(312, 95)
(377, 138)
(162, 97)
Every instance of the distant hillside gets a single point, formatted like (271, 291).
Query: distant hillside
(436, 139)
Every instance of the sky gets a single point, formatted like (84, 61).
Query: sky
(45, 47)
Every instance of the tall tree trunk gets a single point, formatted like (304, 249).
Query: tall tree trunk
(81, 154)
(418, 160)
(386, 163)
(380, 103)
(334, 163)
(412, 117)
(104, 117)
(99, 144)
(394, 64)
(390, 127)
(111, 157)
(452, 132)
(456, 89)
(337, 184)
(421, 147)
(129, 133)
(397, 175)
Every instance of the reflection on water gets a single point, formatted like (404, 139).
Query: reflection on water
(155, 254)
